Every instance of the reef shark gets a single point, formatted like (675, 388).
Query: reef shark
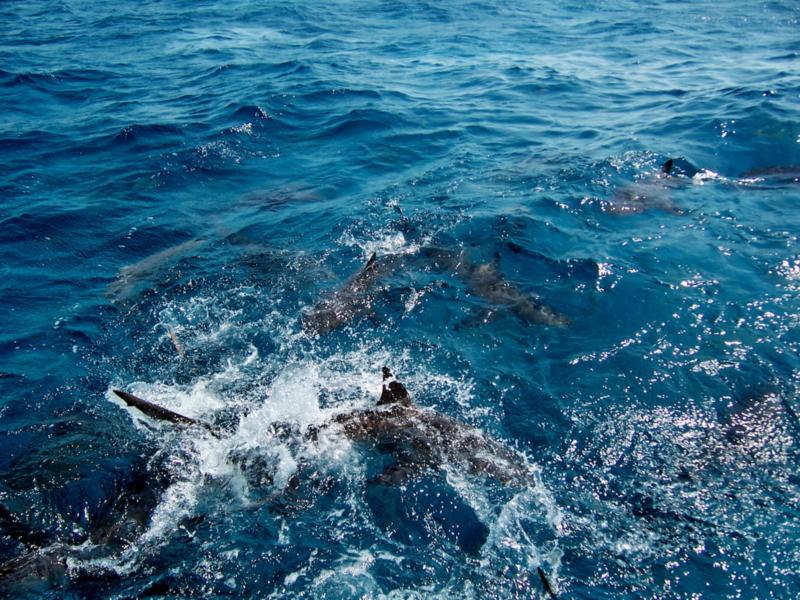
(486, 281)
(651, 192)
(771, 177)
(43, 563)
(132, 279)
(353, 298)
(419, 439)
(357, 295)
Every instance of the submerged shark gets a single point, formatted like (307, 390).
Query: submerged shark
(352, 299)
(419, 441)
(43, 561)
(132, 279)
(651, 192)
(356, 296)
(486, 281)
(771, 176)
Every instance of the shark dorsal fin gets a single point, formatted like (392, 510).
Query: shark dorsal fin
(666, 168)
(368, 269)
(393, 391)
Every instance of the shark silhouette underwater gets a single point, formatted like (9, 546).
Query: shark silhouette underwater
(357, 295)
(43, 559)
(654, 191)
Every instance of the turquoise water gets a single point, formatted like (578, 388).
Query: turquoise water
(213, 169)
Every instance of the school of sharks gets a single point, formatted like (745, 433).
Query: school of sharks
(414, 439)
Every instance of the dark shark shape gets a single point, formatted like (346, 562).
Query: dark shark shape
(418, 438)
(649, 193)
(421, 439)
(132, 279)
(352, 299)
(42, 563)
(771, 176)
(487, 282)
(163, 414)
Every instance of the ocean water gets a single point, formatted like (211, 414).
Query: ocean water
(180, 182)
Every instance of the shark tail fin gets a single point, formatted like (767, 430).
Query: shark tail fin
(164, 414)
(393, 390)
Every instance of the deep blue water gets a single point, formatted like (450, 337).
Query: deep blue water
(211, 169)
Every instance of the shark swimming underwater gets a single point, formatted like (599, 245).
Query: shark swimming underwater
(132, 279)
(353, 298)
(654, 191)
(45, 562)
(486, 281)
(357, 295)
(771, 177)
(406, 448)
(649, 193)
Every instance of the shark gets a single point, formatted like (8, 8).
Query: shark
(487, 281)
(42, 562)
(353, 298)
(770, 177)
(132, 279)
(419, 439)
(356, 296)
(649, 193)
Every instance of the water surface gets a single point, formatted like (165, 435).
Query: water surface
(212, 168)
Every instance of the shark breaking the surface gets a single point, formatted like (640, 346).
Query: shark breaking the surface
(418, 439)
(421, 439)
